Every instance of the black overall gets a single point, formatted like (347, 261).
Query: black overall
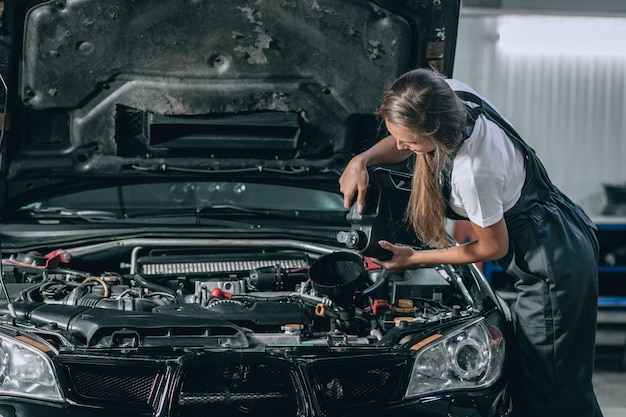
(553, 252)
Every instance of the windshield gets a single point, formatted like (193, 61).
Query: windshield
(130, 200)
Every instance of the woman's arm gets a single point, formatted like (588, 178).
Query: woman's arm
(355, 178)
(491, 243)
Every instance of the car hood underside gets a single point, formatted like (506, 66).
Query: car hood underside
(262, 80)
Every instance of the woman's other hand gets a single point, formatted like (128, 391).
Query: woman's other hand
(353, 183)
(402, 259)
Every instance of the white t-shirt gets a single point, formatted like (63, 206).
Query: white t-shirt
(487, 173)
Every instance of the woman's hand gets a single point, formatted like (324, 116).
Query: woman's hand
(355, 178)
(404, 257)
(354, 182)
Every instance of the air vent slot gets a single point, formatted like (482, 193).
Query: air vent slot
(256, 131)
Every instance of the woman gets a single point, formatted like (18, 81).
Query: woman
(470, 164)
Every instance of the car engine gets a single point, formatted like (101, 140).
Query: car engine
(277, 296)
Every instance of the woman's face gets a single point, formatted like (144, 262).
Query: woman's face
(407, 139)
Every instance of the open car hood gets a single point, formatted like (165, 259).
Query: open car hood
(121, 87)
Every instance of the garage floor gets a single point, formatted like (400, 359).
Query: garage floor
(609, 383)
(610, 371)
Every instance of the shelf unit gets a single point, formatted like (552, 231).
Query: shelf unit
(612, 262)
(611, 326)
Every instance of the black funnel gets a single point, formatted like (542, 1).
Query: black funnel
(337, 275)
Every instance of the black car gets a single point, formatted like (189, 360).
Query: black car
(173, 239)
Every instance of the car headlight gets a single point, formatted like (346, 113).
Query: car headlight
(26, 371)
(472, 357)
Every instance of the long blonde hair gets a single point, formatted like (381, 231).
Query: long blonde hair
(422, 101)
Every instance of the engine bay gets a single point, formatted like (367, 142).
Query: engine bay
(275, 296)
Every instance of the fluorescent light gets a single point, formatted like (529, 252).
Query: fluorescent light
(562, 35)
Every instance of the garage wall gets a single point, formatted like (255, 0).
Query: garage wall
(569, 103)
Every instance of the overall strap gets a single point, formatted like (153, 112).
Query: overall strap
(472, 115)
(445, 180)
(490, 112)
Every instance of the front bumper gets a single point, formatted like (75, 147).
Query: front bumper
(258, 384)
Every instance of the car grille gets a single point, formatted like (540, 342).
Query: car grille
(272, 388)
(124, 384)
(236, 386)
(240, 388)
(360, 382)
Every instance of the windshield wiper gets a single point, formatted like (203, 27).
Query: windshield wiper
(290, 214)
(219, 210)
(59, 213)
(229, 210)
